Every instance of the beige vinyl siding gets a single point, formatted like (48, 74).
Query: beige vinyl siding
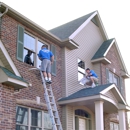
(89, 40)
(64, 118)
(96, 68)
(111, 96)
(69, 118)
(63, 72)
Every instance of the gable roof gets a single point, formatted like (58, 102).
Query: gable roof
(65, 30)
(86, 92)
(101, 53)
(7, 61)
(103, 49)
(12, 75)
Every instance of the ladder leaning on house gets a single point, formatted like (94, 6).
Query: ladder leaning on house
(51, 104)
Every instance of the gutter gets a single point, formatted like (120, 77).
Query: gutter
(2, 14)
(32, 25)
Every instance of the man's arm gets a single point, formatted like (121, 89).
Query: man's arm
(52, 59)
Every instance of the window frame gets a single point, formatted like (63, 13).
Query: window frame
(29, 118)
(114, 75)
(36, 47)
(113, 125)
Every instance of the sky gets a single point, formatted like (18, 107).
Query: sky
(52, 13)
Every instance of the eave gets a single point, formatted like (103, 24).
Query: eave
(35, 27)
(102, 59)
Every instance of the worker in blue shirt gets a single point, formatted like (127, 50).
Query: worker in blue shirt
(92, 76)
(47, 58)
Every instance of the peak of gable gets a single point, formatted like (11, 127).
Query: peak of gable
(65, 30)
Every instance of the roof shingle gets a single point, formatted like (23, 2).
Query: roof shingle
(86, 92)
(103, 48)
(65, 30)
(11, 75)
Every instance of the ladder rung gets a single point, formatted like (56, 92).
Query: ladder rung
(55, 117)
(53, 110)
(58, 124)
(48, 90)
(52, 103)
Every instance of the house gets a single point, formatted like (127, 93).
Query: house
(76, 45)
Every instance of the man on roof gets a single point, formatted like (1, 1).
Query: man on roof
(92, 77)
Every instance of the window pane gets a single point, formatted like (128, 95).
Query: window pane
(47, 121)
(116, 80)
(111, 126)
(29, 59)
(116, 126)
(39, 45)
(81, 113)
(34, 128)
(81, 64)
(36, 118)
(110, 77)
(80, 76)
(22, 115)
(18, 127)
(29, 42)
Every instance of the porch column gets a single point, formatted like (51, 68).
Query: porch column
(99, 115)
(122, 121)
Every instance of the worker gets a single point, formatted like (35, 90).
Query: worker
(28, 59)
(92, 77)
(47, 58)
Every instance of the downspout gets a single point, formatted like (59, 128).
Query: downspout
(1, 15)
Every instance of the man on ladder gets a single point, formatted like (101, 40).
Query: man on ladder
(47, 58)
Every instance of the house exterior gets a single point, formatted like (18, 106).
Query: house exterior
(76, 45)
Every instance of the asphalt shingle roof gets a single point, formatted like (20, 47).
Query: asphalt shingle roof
(11, 75)
(65, 30)
(103, 48)
(86, 92)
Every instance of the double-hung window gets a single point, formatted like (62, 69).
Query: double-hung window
(114, 126)
(81, 69)
(28, 46)
(113, 78)
(30, 119)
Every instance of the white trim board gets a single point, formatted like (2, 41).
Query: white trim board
(82, 26)
(9, 59)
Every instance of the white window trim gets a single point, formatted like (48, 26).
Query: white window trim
(113, 124)
(36, 42)
(77, 67)
(29, 117)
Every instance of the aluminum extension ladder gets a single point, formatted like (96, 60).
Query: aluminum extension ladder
(51, 105)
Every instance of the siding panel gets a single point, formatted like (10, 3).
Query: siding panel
(111, 96)
(89, 40)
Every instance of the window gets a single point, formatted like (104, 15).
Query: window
(31, 44)
(82, 120)
(112, 78)
(114, 126)
(28, 47)
(81, 69)
(27, 118)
